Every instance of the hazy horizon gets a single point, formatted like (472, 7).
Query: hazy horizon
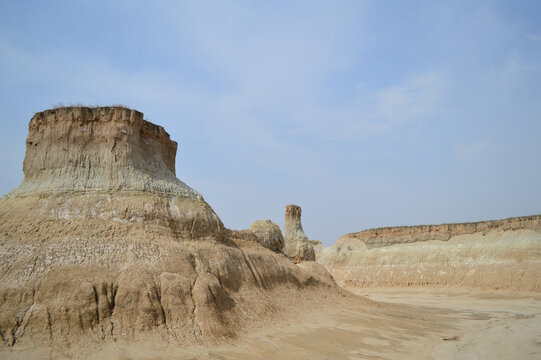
(364, 113)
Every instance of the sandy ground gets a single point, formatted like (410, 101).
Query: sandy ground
(409, 324)
(485, 325)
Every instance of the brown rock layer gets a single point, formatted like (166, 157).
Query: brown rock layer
(99, 149)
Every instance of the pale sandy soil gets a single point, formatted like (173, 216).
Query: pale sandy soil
(410, 324)
(415, 324)
(485, 325)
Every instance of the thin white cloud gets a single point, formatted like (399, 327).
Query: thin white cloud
(377, 113)
(410, 101)
(534, 37)
(473, 151)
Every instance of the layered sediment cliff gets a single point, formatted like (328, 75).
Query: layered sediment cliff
(102, 243)
(99, 149)
(407, 234)
(110, 167)
(489, 254)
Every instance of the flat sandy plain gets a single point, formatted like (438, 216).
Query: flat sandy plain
(411, 323)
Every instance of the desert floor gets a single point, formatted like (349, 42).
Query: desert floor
(409, 324)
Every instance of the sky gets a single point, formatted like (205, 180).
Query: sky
(364, 113)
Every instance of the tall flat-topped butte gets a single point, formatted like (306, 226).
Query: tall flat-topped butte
(106, 163)
(101, 243)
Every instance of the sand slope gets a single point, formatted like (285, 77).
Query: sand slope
(445, 323)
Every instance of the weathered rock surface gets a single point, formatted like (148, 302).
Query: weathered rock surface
(99, 149)
(269, 234)
(102, 243)
(503, 254)
(297, 246)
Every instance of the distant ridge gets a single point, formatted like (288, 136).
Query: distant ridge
(494, 254)
(389, 235)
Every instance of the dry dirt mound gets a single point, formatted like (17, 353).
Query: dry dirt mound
(504, 254)
(101, 242)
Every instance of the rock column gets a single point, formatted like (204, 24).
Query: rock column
(297, 247)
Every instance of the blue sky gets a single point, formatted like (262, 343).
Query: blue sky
(365, 113)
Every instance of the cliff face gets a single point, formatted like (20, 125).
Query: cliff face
(99, 149)
(490, 254)
(102, 243)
